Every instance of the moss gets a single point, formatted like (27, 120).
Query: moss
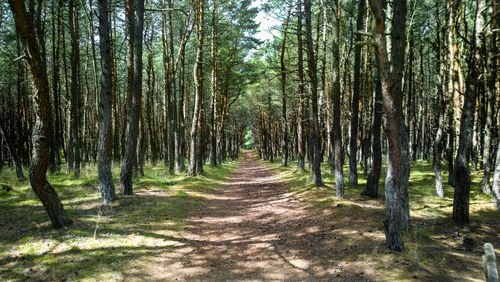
(127, 232)
(433, 245)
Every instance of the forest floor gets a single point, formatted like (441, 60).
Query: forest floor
(247, 220)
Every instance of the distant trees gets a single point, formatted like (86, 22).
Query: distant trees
(94, 110)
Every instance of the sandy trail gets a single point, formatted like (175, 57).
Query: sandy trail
(253, 230)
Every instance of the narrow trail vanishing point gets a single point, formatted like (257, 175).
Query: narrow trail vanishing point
(252, 229)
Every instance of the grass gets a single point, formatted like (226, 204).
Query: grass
(434, 248)
(105, 242)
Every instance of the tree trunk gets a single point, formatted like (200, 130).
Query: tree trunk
(462, 173)
(41, 130)
(337, 129)
(489, 39)
(284, 137)
(398, 164)
(495, 188)
(198, 81)
(55, 86)
(301, 148)
(213, 112)
(353, 141)
(13, 152)
(371, 188)
(313, 89)
(439, 111)
(105, 127)
(75, 85)
(134, 112)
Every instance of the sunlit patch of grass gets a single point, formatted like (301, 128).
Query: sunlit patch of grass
(105, 242)
(434, 249)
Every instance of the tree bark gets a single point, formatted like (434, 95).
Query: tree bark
(134, 112)
(353, 140)
(495, 188)
(489, 39)
(284, 136)
(439, 111)
(198, 81)
(213, 112)
(75, 85)
(105, 140)
(313, 89)
(337, 128)
(13, 152)
(462, 173)
(301, 148)
(371, 188)
(398, 164)
(41, 130)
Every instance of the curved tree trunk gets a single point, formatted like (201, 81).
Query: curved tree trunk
(41, 130)
(462, 173)
(397, 212)
(198, 81)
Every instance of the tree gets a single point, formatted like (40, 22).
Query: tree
(41, 131)
(198, 98)
(439, 110)
(397, 214)
(337, 129)
(284, 141)
(105, 127)
(134, 111)
(353, 141)
(301, 111)
(462, 173)
(371, 188)
(73, 161)
(313, 90)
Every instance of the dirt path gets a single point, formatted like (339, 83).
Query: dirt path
(252, 229)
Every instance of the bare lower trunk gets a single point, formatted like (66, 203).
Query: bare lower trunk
(398, 164)
(75, 87)
(313, 83)
(495, 188)
(105, 127)
(41, 130)
(371, 188)
(13, 152)
(353, 141)
(198, 80)
(439, 111)
(130, 156)
(337, 129)
(300, 124)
